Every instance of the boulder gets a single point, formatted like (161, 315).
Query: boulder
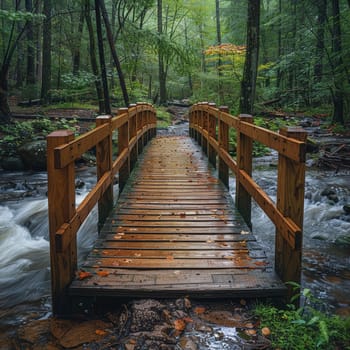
(12, 163)
(33, 155)
(343, 240)
(346, 208)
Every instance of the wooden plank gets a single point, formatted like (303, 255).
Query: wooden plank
(177, 254)
(134, 237)
(177, 230)
(175, 283)
(170, 262)
(116, 244)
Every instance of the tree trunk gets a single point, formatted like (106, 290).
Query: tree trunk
(161, 68)
(321, 21)
(30, 76)
(5, 113)
(46, 62)
(338, 95)
(218, 40)
(279, 43)
(248, 84)
(93, 59)
(114, 52)
(76, 52)
(107, 104)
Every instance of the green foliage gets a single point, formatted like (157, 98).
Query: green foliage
(20, 132)
(19, 16)
(163, 118)
(306, 327)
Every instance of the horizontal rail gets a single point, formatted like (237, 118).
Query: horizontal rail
(135, 126)
(211, 126)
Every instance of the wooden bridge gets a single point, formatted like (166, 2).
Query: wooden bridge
(174, 229)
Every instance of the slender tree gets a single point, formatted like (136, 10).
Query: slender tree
(9, 49)
(161, 68)
(248, 85)
(46, 60)
(107, 104)
(30, 47)
(338, 90)
(93, 59)
(114, 52)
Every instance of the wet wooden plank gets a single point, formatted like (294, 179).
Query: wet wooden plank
(175, 231)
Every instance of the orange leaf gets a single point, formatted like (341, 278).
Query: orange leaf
(182, 215)
(199, 310)
(100, 332)
(103, 273)
(260, 263)
(170, 257)
(83, 274)
(188, 319)
(179, 325)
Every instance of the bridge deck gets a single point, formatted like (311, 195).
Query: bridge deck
(175, 232)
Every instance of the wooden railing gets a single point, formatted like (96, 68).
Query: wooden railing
(135, 126)
(210, 126)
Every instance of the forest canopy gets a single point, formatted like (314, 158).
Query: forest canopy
(156, 51)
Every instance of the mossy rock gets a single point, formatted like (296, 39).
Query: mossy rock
(343, 240)
(33, 155)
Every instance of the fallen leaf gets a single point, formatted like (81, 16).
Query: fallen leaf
(245, 232)
(182, 215)
(137, 255)
(199, 310)
(265, 331)
(179, 325)
(103, 273)
(100, 332)
(83, 274)
(170, 257)
(260, 263)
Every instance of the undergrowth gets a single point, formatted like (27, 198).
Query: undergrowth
(305, 328)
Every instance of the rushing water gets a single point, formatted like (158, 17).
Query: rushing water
(24, 247)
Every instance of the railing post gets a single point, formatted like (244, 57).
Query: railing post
(104, 163)
(290, 201)
(212, 134)
(205, 118)
(123, 143)
(244, 162)
(132, 134)
(223, 144)
(61, 201)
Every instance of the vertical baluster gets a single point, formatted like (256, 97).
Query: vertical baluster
(290, 201)
(244, 162)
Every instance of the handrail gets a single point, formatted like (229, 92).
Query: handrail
(210, 126)
(135, 125)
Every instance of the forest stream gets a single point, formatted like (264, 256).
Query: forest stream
(24, 246)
